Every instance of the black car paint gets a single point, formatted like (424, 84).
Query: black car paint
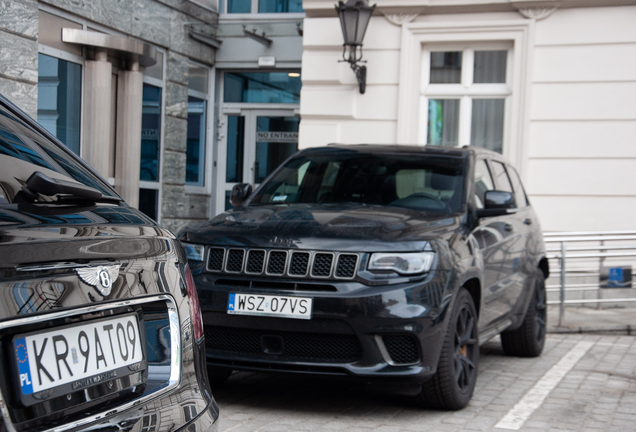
(485, 255)
(39, 249)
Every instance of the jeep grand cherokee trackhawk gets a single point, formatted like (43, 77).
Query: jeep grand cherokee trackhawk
(388, 264)
(100, 327)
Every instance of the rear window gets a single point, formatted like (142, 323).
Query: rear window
(23, 151)
(427, 183)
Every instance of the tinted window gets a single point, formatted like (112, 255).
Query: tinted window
(520, 193)
(503, 182)
(483, 182)
(24, 151)
(413, 181)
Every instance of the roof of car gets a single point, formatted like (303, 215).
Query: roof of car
(400, 148)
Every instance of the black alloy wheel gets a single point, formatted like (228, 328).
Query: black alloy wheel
(529, 339)
(453, 385)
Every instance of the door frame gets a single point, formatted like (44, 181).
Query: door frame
(250, 111)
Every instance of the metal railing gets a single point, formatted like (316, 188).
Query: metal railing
(577, 257)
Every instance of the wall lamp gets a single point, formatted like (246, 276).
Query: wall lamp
(354, 18)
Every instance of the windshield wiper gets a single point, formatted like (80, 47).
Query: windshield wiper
(40, 188)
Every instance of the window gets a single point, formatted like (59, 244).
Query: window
(501, 178)
(483, 183)
(466, 95)
(149, 423)
(262, 87)
(152, 138)
(260, 6)
(189, 412)
(520, 193)
(197, 125)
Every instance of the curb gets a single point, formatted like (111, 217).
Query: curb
(620, 329)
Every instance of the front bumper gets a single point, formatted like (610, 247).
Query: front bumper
(389, 333)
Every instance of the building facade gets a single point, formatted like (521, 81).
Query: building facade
(550, 84)
(176, 101)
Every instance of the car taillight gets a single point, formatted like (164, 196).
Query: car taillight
(195, 307)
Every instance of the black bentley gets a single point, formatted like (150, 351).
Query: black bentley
(390, 264)
(100, 327)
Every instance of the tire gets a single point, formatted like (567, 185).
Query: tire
(217, 376)
(452, 385)
(529, 339)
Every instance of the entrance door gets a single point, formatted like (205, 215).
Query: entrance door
(256, 141)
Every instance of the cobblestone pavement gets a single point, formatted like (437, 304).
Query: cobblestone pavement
(595, 391)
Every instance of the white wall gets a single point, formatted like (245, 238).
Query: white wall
(578, 155)
(582, 150)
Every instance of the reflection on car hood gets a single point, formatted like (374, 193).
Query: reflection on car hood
(352, 227)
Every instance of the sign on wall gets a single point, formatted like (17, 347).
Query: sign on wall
(277, 137)
(616, 277)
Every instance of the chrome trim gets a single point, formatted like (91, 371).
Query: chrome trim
(227, 259)
(291, 258)
(285, 267)
(61, 265)
(313, 261)
(175, 354)
(355, 269)
(385, 353)
(207, 261)
(247, 260)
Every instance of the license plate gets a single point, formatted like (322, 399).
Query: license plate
(80, 355)
(270, 305)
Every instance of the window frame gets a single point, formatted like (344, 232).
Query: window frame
(69, 57)
(466, 90)
(145, 184)
(419, 34)
(208, 145)
(222, 8)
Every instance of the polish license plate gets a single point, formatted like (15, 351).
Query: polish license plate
(79, 355)
(270, 305)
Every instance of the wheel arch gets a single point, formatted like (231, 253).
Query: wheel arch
(473, 286)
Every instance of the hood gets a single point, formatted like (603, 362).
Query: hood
(339, 227)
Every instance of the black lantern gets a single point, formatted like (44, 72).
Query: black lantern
(354, 19)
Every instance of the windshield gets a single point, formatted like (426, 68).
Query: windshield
(23, 151)
(416, 181)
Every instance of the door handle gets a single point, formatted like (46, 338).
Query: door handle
(528, 221)
(508, 227)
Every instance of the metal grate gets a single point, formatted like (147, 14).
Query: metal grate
(215, 259)
(276, 263)
(346, 267)
(299, 263)
(255, 261)
(235, 260)
(313, 347)
(401, 348)
(322, 265)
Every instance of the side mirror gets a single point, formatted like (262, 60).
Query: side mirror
(497, 203)
(240, 193)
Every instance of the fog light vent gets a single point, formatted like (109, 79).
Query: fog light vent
(401, 348)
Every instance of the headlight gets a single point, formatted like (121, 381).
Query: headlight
(194, 252)
(404, 263)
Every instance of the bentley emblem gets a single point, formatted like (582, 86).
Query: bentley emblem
(100, 277)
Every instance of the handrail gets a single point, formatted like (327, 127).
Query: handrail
(600, 251)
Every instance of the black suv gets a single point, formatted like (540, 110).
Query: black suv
(386, 263)
(100, 327)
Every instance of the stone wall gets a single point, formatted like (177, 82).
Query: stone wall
(164, 23)
(19, 53)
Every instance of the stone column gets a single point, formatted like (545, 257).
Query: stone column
(128, 151)
(97, 112)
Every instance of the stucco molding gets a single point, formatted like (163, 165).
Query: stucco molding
(400, 19)
(416, 36)
(537, 14)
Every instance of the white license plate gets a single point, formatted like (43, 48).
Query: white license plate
(82, 354)
(270, 305)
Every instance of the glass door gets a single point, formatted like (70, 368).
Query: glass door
(257, 142)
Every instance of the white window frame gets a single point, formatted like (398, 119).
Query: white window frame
(208, 160)
(145, 184)
(466, 90)
(414, 64)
